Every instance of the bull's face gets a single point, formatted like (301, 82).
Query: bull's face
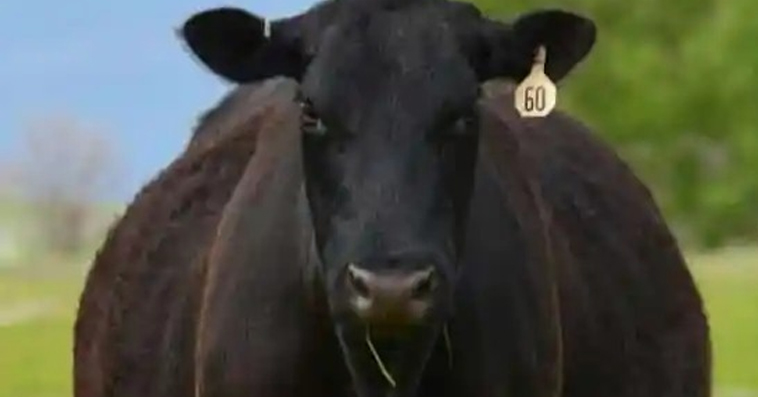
(389, 120)
(390, 142)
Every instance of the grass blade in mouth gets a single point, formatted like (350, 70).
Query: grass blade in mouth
(449, 346)
(378, 359)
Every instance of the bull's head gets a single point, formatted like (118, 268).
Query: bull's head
(389, 94)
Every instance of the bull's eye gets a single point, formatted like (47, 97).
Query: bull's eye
(461, 125)
(309, 121)
(453, 129)
(464, 125)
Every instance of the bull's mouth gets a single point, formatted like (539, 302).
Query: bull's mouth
(384, 363)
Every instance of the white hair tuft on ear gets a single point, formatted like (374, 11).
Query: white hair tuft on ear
(267, 28)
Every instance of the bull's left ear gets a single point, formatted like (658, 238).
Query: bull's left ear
(511, 49)
(242, 47)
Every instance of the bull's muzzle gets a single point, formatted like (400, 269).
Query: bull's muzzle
(391, 297)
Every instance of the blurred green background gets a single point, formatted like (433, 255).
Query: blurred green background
(670, 84)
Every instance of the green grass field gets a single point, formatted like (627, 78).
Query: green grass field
(36, 318)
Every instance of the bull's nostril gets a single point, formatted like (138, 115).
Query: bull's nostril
(357, 282)
(424, 286)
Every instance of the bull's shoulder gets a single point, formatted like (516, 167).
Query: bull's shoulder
(201, 177)
(593, 193)
(196, 174)
(568, 153)
(156, 240)
(195, 185)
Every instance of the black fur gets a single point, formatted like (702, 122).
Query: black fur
(555, 274)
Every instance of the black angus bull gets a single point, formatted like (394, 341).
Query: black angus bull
(380, 225)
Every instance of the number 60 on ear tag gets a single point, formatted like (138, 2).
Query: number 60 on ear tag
(536, 96)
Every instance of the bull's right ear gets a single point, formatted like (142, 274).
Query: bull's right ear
(510, 49)
(240, 47)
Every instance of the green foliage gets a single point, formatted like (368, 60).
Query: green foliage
(671, 85)
(36, 359)
(728, 282)
(36, 325)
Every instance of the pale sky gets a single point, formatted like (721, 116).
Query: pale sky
(117, 65)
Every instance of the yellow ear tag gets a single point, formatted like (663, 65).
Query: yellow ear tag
(536, 96)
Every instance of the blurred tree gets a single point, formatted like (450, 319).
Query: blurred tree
(64, 168)
(670, 84)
